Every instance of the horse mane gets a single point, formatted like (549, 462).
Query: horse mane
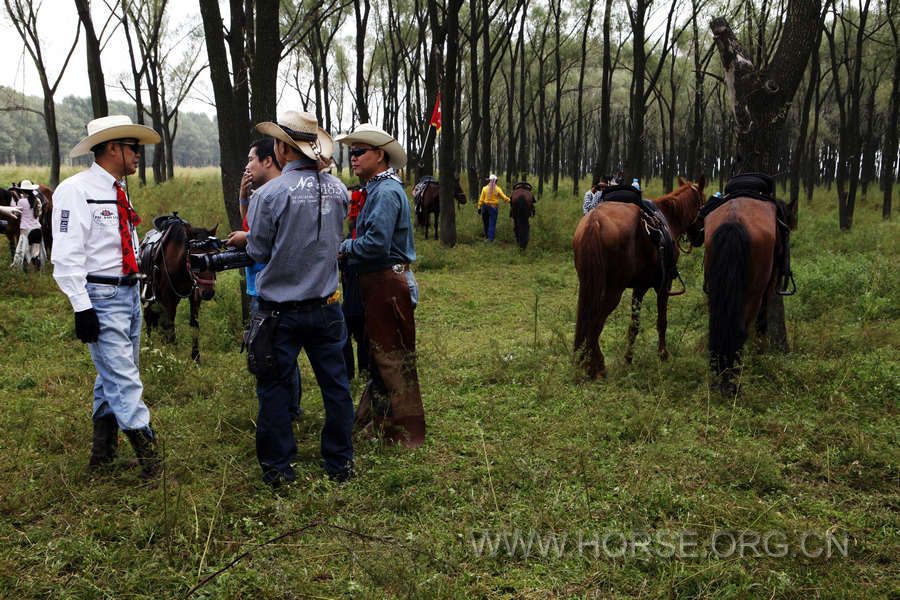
(678, 211)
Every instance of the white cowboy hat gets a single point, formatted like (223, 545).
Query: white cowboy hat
(492, 177)
(26, 184)
(301, 131)
(366, 133)
(113, 127)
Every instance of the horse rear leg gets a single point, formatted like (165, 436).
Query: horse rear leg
(591, 354)
(637, 297)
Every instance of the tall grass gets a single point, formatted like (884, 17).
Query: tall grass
(515, 441)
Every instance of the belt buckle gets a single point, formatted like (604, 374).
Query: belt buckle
(398, 268)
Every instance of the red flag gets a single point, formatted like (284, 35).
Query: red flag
(436, 114)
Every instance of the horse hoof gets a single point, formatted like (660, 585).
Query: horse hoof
(663, 354)
(629, 357)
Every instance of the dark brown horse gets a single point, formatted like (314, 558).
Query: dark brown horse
(745, 241)
(614, 252)
(11, 227)
(521, 209)
(47, 217)
(168, 277)
(429, 203)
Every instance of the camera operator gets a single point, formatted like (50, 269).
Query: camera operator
(296, 224)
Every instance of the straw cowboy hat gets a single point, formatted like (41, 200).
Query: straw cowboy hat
(113, 127)
(26, 185)
(300, 130)
(366, 133)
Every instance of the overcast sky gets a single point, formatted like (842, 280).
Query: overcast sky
(57, 20)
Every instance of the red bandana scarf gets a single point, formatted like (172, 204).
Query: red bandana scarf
(127, 219)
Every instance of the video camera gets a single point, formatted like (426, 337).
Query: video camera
(220, 261)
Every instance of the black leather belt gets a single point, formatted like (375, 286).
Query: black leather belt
(128, 280)
(298, 304)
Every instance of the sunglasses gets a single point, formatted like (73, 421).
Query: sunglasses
(135, 146)
(357, 152)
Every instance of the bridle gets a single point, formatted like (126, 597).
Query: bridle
(205, 246)
(690, 245)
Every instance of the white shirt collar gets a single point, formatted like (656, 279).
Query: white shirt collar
(103, 174)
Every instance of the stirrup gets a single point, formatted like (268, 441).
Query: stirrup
(783, 285)
(683, 287)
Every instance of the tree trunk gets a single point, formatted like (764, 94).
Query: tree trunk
(486, 66)
(889, 153)
(233, 119)
(695, 147)
(449, 143)
(798, 155)
(264, 71)
(557, 103)
(52, 138)
(579, 124)
(94, 67)
(475, 102)
(361, 10)
(636, 139)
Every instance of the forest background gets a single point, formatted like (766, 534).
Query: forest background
(540, 90)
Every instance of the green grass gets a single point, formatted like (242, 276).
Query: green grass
(515, 441)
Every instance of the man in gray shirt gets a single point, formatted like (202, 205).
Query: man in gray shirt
(296, 225)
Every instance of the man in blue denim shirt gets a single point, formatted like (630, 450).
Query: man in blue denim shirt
(381, 253)
(296, 224)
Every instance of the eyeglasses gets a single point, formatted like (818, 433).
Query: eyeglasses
(357, 152)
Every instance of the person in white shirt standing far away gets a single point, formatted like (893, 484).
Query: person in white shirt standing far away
(95, 265)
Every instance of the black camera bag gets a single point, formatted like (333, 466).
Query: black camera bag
(259, 339)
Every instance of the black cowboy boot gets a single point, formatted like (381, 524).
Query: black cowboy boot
(105, 442)
(144, 443)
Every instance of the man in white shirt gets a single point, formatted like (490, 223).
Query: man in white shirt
(95, 265)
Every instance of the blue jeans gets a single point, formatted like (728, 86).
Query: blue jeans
(321, 331)
(296, 410)
(116, 354)
(489, 220)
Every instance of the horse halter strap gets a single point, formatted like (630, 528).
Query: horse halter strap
(162, 249)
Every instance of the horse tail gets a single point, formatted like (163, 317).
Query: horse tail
(726, 281)
(591, 267)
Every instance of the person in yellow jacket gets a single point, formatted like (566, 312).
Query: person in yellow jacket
(487, 206)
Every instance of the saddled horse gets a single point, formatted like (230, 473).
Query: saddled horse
(521, 209)
(746, 261)
(168, 278)
(614, 251)
(428, 202)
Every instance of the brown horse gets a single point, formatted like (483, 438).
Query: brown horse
(521, 209)
(614, 252)
(745, 242)
(429, 202)
(168, 278)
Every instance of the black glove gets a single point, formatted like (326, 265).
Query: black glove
(479, 211)
(87, 326)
